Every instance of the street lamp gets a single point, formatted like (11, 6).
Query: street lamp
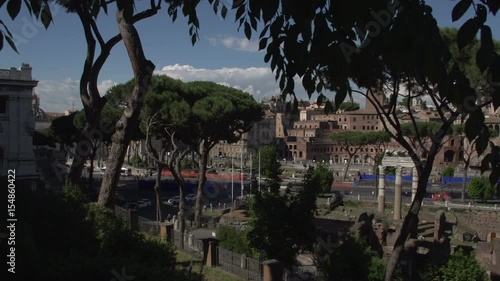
(241, 175)
(232, 179)
(259, 170)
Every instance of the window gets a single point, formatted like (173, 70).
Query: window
(354, 127)
(3, 104)
(354, 119)
(363, 127)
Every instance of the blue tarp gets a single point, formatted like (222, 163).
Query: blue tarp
(387, 177)
(409, 178)
(455, 180)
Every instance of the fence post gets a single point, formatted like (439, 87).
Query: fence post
(210, 252)
(359, 197)
(133, 220)
(273, 270)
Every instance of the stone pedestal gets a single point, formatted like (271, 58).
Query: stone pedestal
(134, 220)
(490, 237)
(273, 270)
(397, 194)
(167, 232)
(243, 261)
(439, 225)
(414, 183)
(210, 251)
(381, 189)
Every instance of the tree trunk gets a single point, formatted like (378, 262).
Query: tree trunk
(464, 183)
(202, 179)
(128, 123)
(410, 223)
(347, 168)
(91, 170)
(159, 216)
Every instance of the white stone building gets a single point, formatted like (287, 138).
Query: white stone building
(17, 124)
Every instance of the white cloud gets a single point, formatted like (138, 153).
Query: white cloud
(57, 96)
(236, 43)
(257, 81)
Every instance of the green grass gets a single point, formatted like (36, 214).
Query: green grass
(209, 273)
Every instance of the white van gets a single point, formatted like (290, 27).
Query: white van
(125, 172)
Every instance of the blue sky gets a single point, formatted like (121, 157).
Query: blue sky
(222, 54)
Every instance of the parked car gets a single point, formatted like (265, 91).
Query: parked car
(190, 197)
(143, 203)
(132, 206)
(173, 200)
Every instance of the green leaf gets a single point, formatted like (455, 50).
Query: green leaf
(26, 3)
(340, 96)
(253, 23)
(319, 100)
(482, 140)
(263, 43)
(239, 12)
(485, 163)
(46, 16)
(481, 13)
(248, 31)
(460, 8)
(11, 44)
(494, 176)
(466, 33)
(174, 15)
(223, 12)
(36, 7)
(494, 5)
(13, 8)
(267, 57)
(193, 39)
(329, 107)
(474, 124)
(264, 31)
(485, 53)
(269, 9)
(215, 6)
(104, 5)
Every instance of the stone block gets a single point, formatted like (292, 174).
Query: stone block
(490, 237)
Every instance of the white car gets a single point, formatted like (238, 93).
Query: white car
(174, 200)
(190, 197)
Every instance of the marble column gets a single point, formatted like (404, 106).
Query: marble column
(414, 183)
(397, 194)
(381, 189)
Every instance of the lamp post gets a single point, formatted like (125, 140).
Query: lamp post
(259, 170)
(232, 179)
(241, 175)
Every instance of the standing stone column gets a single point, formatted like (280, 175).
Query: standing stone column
(381, 189)
(414, 183)
(397, 194)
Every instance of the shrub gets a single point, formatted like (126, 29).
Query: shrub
(462, 267)
(233, 240)
(449, 171)
(135, 160)
(480, 188)
(63, 238)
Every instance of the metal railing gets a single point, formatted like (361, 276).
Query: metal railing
(188, 243)
(239, 265)
(148, 226)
